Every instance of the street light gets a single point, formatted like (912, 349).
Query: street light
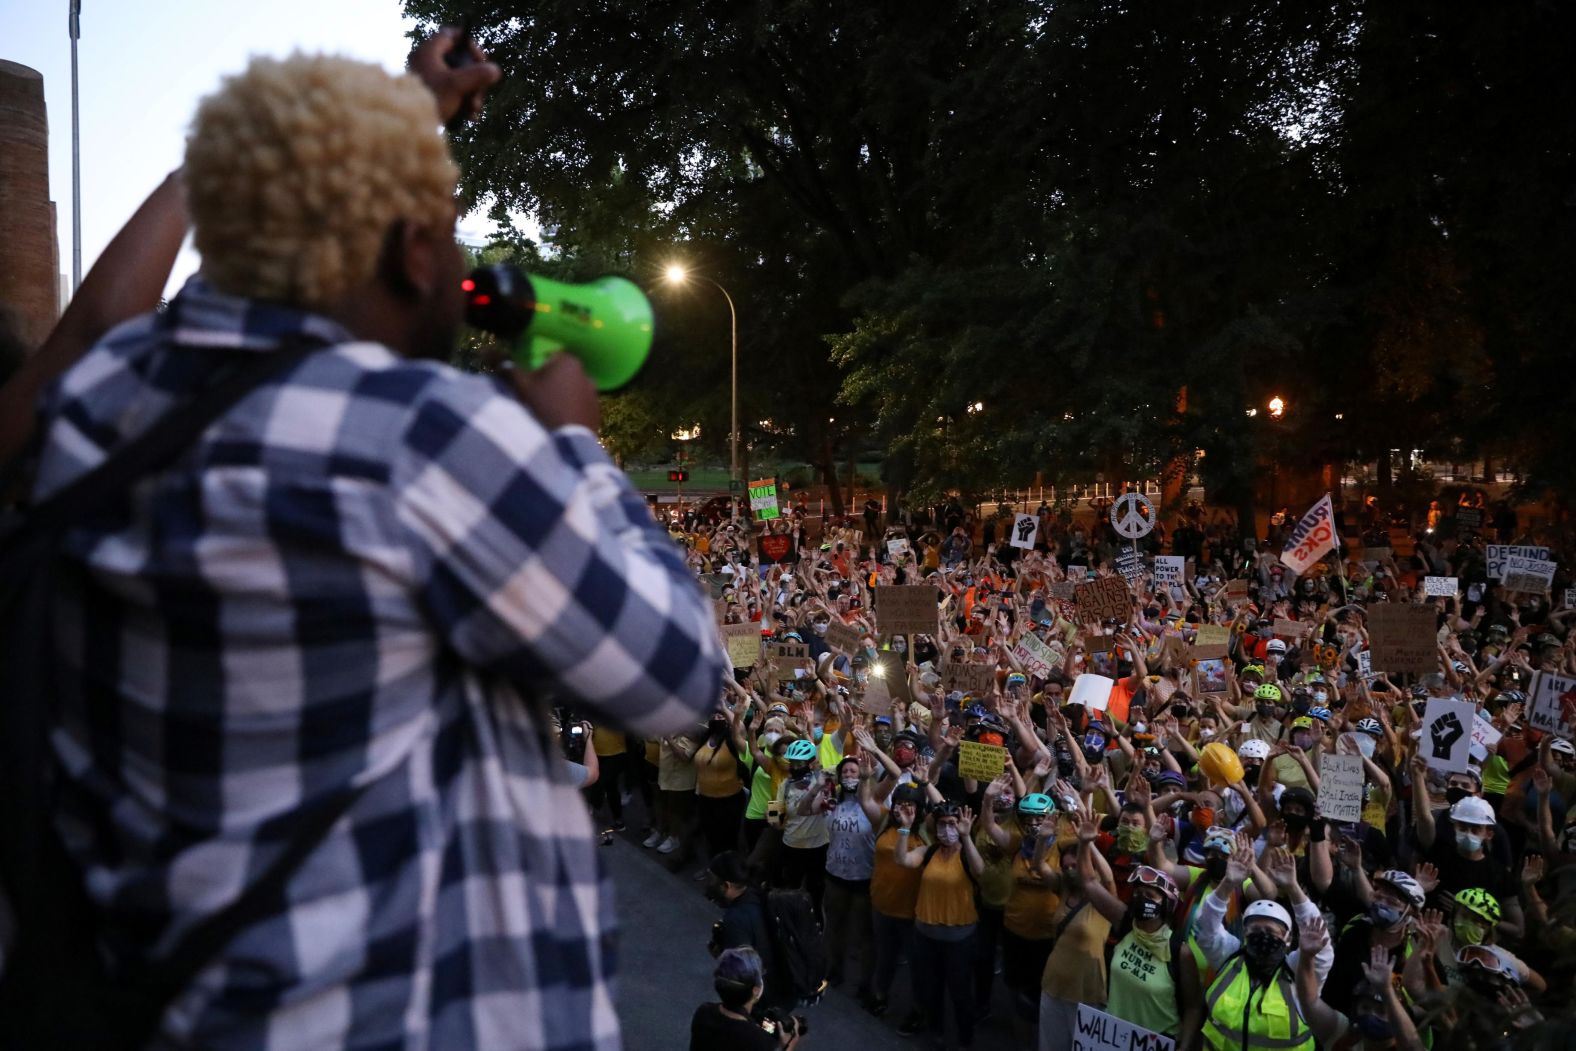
(1277, 407)
(677, 275)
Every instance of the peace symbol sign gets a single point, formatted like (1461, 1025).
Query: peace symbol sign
(1133, 515)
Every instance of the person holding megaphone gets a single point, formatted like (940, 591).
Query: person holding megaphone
(297, 727)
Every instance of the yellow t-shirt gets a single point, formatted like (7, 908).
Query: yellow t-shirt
(893, 888)
(1075, 969)
(946, 894)
(1031, 908)
(607, 741)
(716, 772)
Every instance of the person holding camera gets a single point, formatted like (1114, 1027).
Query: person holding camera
(736, 1022)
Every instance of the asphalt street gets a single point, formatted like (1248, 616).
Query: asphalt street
(665, 970)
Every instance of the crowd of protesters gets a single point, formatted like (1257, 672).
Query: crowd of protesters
(1161, 852)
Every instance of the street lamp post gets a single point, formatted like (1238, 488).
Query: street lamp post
(74, 27)
(677, 275)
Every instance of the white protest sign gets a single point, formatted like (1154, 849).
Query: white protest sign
(1133, 515)
(1444, 586)
(1313, 537)
(1484, 732)
(1092, 691)
(1024, 529)
(1570, 598)
(1169, 569)
(1341, 787)
(1497, 554)
(1098, 1031)
(1365, 664)
(1551, 696)
(1447, 737)
(898, 546)
(1528, 574)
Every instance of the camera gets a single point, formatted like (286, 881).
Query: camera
(779, 1022)
(572, 739)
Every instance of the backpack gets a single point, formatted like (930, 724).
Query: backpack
(798, 943)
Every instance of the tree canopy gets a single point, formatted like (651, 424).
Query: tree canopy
(1112, 226)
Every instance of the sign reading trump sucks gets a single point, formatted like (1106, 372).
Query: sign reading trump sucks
(1313, 538)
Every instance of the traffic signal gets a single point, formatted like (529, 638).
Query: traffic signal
(679, 475)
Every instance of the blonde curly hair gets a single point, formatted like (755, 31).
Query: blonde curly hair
(296, 167)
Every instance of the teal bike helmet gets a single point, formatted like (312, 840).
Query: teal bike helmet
(801, 751)
(1036, 803)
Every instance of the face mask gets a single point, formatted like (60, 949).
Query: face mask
(1181, 711)
(850, 784)
(819, 628)
(1206, 733)
(1265, 950)
(1366, 746)
(772, 737)
(1264, 711)
(1384, 916)
(899, 648)
(884, 739)
(1455, 794)
(1203, 817)
(947, 835)
(1467, 843)
(1216, 867)
(1320, 697)
(1131, 840)
(1373, 1027)
(1469, 932)
(1302, 739)
(903, 757)
(1250, 774)
(799, 771)
(1005, 803)
(1296, 822)
(1146, 909)
(1093, 755)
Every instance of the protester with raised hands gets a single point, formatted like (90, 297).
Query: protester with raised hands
(1376, 1019)
(1252, 998)
(1075, 970)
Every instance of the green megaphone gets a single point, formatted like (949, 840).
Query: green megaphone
(605, 323)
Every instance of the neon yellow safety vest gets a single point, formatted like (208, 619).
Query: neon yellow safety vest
(1238, 1016)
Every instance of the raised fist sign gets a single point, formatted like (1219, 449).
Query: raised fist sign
(1444, 732)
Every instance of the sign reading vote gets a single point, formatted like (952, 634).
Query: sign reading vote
(1097, 1031)
(763, 499)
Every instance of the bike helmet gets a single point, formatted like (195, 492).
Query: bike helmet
(794, 635)
(1370, 726)
(1254, 749)
(801, 751)
(1149, 876)
(1269, 909)
(1479, 901)
(1410, 889)
(1016, 679)
(1270, 692)
(1221, 839)
(1473, 811)
(1036, 804)
(1321, 714)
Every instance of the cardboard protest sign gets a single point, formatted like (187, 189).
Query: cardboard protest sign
(1236, 592)
(1484, 732)
(1025, 528)
(763, 499)
(1036, 657)
(843, 639)
(1213, 640)
(1098, 1031)
(899, 546)
(1469, 517)
(1312, 538)
(775, 548)
(977, 679)
(1104, 599)
(1553, 699)
(1447, 734)
(788, 658)
(743, 642)
(1169, 569)
(877, 697)
(1402, 637)
(1092, 691)
(1533, 575)
(1377, 555)
(1442, 586)
(1209, 677)
(1497, 555)
(905, 609)
(1288, 629)
(982, 762)
(1341, 788)
(1066, 590)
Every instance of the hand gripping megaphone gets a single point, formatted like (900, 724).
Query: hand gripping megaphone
(605, 323)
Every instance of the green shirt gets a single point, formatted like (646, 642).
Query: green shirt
(1141, 990)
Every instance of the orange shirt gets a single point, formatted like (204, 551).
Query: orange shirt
(893, 888)
(1121, 699)
(946, 894)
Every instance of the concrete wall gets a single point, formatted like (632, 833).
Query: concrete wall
(29, 252)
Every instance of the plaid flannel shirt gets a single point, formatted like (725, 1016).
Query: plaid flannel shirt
(366, 573)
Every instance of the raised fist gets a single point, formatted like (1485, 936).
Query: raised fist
(1444, 732)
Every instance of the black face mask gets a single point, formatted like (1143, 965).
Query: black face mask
(1455, 794)
(1264, 950)
(1181, 711)
(799, 771)
(1147, 909)
(1216, 867)
(1066, 765)
(1250, 774)
(1296, 822)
